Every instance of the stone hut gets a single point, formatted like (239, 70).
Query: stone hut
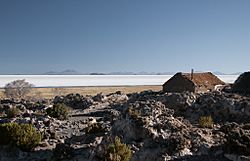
(192, 82)
(242, 84)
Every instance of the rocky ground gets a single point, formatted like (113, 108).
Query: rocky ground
(156, 126)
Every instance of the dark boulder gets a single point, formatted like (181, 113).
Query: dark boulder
(242, 84)
(75, 101)
(238, 138)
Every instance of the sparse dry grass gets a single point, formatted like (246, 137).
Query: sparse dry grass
(52, 92)
(206, 122)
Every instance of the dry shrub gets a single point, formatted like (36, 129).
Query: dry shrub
(206, 122)
(118, 151)
(24, 136)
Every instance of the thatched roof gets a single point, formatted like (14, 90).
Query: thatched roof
(203, 79)
(199, 82)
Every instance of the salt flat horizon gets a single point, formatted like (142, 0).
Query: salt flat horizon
(96, 80)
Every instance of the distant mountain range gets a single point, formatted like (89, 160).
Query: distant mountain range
(74, 72)
(220, 73)
(65, 72)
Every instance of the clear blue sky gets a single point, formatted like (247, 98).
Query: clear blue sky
(37, 36)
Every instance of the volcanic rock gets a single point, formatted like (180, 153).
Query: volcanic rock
(75, 101)
(242, 84)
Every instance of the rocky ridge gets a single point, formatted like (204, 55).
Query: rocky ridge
(156, 126)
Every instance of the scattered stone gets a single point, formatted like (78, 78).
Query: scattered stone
(75, 101)
(156, 126)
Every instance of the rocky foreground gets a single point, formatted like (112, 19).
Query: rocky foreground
(155, 126)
